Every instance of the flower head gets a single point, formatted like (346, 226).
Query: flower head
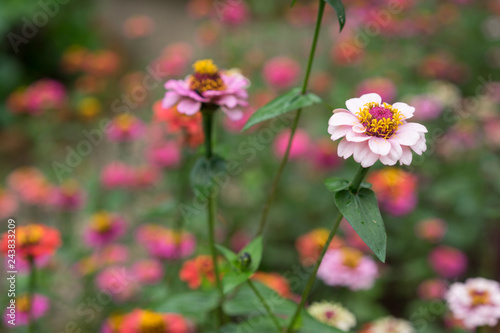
(35, 308)
(476, 302)
(310, 245)
(125, 127)
(281, 72)
(145, 321)
(198, 272)
(208, 86)
(68, 197)
(332, 314)
(165, 243)
(372, 131)
(348, 267)
(104, 228)
(33, 241)
(276, 282)
(119, 282)
(389, 325)
(448, 261)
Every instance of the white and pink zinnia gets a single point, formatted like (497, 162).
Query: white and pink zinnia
(372, 130)
(208, 87)
(476, 302)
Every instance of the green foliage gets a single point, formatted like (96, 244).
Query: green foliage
(340, 10)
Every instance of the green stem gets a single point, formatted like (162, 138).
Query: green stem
(266, 306)
(31, 294)
(211, 198)
(295, 123)
(358, 178)
(482, 329)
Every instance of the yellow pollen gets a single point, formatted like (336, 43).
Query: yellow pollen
(115, 322)
(352, 257)
(23, 303)
(205, 66)
(101, 222)
(31, 235)
(479, 297)
(385, 127)
(152, 322)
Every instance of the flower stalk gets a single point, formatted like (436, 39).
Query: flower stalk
(356, 182)
(31, 294)
(295, 123)
(265, 305)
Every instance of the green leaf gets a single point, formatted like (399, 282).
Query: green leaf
(361, 211)
(254, 248)
(233, 279)
(337, 184)
(204, 170)
(190, 303)
(293, 3)
(339, 8)
(290, 101)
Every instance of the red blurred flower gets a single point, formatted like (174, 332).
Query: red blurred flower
(32, 241)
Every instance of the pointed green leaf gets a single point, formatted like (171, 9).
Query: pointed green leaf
(290, 101)
(337, 184)
(254, 248)
(362, 212)
(205, 301)
(228, 254)
(233, 279)
(339, 8)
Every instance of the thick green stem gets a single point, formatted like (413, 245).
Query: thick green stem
(211, 203)
(482, 329)
(295, 123)
(358, 178)
(266, 306)
(31, 294)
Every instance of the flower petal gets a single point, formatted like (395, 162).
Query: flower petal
(413, 127)
(170, 99)
(388, 160)
(405, 109)
(361, 151)
(345, 148)
(188, 106)
(342, 118)
(359, 128)
(406, 138)
(338, 131)
(233, 114)
(406, 156)
(369, 160)
(357, 137)
(379, 145)
(354, 105)
(371, 98)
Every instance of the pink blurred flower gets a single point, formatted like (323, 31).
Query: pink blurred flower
(111, 254)
(281, 72)
(432, 289)
(144, 176)
(432, 230)
(26, 308)
(310, 245)
(116, 175)
(139, 321)
(8, 204)
(324, 155)
(164, 243)
(165, 155)
(104, 228)
(68, 197)
(428, 107)
(239, 240)
(43, 95)
(237, 125)
(30, 185)
(208, 86)
(118, 282)
(372, 131)
(448, 261)
(138, 26)
(233, 13)
(380, 85)
(149, 271)
(173, 59)
(476, 302)
(125, 128)
(396, 190)
(300, 144)
(348, 267)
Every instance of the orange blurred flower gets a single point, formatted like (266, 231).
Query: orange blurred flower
(32, 241)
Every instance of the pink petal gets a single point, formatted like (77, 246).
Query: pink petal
(359, 128)
(188, 106)
(228, 100)
(406, 138)
(342, 118)
(420, 146)
(379, 145)
(406, 156)
(369, 160)
(338, 131)
(170, 99)
(388, 160)
(371, 98)
(354, 105)
(233, 114)
(357, 137)
(413, 127)
(345, 148)
(361, 151)
(405, 109)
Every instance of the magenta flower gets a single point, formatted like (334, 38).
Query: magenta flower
(165, 155)
(149, 271)
(448, 261)
(104, 228)
(117, 174)
(281, 72)
(372, 131)
(125, 128)
(68, 197)
(36, 308)
(164, 243)
(208, 87)
(300, 144)
(380, 85)
(45, 94)
(476, 302)
(119, 282)
(348, 267)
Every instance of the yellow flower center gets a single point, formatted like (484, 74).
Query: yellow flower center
(124, 121)
(479, 297)
(23, 303)
(101, 222)
(351, 257)
(152, 322)
(30, 235)
(115, 322)
(206, 77)
(380, 120)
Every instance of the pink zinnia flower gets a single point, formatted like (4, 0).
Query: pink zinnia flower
(300, 144)
(149, 271)
(448, 261)
(380, 85)
(432, 230)
(281, 72)
(8, 204)
(144, 176)
(116, 174)
(372, 131)
(104, 228)
(428, 107)
(476, 302)
(139, 321)
(165, 155)
(348, 267)
(44, 95)
(35, 308)
(68, 197)
(124, 128)
(208, 87)
(233, 13)
(432, 289)
(165, 243)
(118, 282)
